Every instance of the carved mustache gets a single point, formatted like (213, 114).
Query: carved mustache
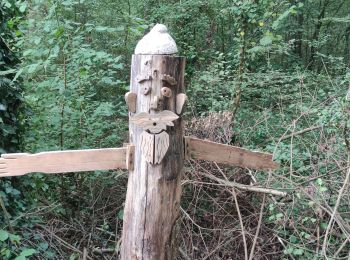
(154, 123)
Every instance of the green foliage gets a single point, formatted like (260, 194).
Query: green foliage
(10, 247)
(10, 88)
(287, 59)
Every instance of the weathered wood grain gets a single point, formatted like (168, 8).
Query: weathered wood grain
(147, 146)
(130, 99)
(154, 146)
(154, 123)
(130, 155)
(180, 101)
(161, 145)
(143, 77)
(153, 194)
(166, 92)
(63, 161)
(227, 154)
(169, 79)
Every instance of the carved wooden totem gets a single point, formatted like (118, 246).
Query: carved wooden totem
(153, 196)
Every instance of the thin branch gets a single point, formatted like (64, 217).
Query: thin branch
(341, 192)
(299, 132)
(233, 192)
(63, 242)
(251, 255)
(242, 186)
(6, 215)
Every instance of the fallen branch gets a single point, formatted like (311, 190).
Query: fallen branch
(299, 132)
(102, 251)
(340, 195)
(63, 242)
(242, 186)
(233, 192)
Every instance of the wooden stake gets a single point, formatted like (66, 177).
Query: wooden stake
(153, 194)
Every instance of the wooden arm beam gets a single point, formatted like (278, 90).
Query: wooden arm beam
(227, 154)
(64, 161)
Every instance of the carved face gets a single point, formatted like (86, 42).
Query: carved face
(155, 92)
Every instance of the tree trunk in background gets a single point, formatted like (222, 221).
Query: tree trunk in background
(316, 34)
(347, 46)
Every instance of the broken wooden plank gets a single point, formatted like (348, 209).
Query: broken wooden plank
(63, 161)
(227, 154)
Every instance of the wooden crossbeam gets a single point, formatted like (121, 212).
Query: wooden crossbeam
(65, 161)
(227, 154)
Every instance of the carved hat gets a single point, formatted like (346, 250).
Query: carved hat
(157, 41)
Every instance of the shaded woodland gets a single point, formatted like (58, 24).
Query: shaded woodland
(266, 75)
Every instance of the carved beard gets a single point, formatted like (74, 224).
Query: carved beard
(154, 138)
(154, 146)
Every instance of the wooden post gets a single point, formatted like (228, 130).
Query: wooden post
(154, 190)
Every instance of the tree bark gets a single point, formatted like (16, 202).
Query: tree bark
(316, 34)
(154, 190)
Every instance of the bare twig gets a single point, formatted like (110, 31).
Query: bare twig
(242, 186)
(183, 254)
(340, 195)
(85, 253)
(251, 255)
(341, 247)
(299, 132)
(6, 215)
(233, 192)
(63, 242)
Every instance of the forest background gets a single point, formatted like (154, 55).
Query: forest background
(266, 75)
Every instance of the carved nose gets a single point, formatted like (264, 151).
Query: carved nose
(155, 103)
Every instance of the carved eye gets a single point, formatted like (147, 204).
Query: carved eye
(166, 92)
(145, 90)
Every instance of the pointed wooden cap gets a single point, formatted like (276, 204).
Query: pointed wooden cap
(157, 41)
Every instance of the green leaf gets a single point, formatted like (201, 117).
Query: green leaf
(23, 7)
(324, 225)
(14, 238)
(266, 40)
(4, 235)
(298, 251)
(121, 214)
(28, 252)
(293, 239)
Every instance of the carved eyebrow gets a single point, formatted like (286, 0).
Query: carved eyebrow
(143, 77)
(169, 79)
